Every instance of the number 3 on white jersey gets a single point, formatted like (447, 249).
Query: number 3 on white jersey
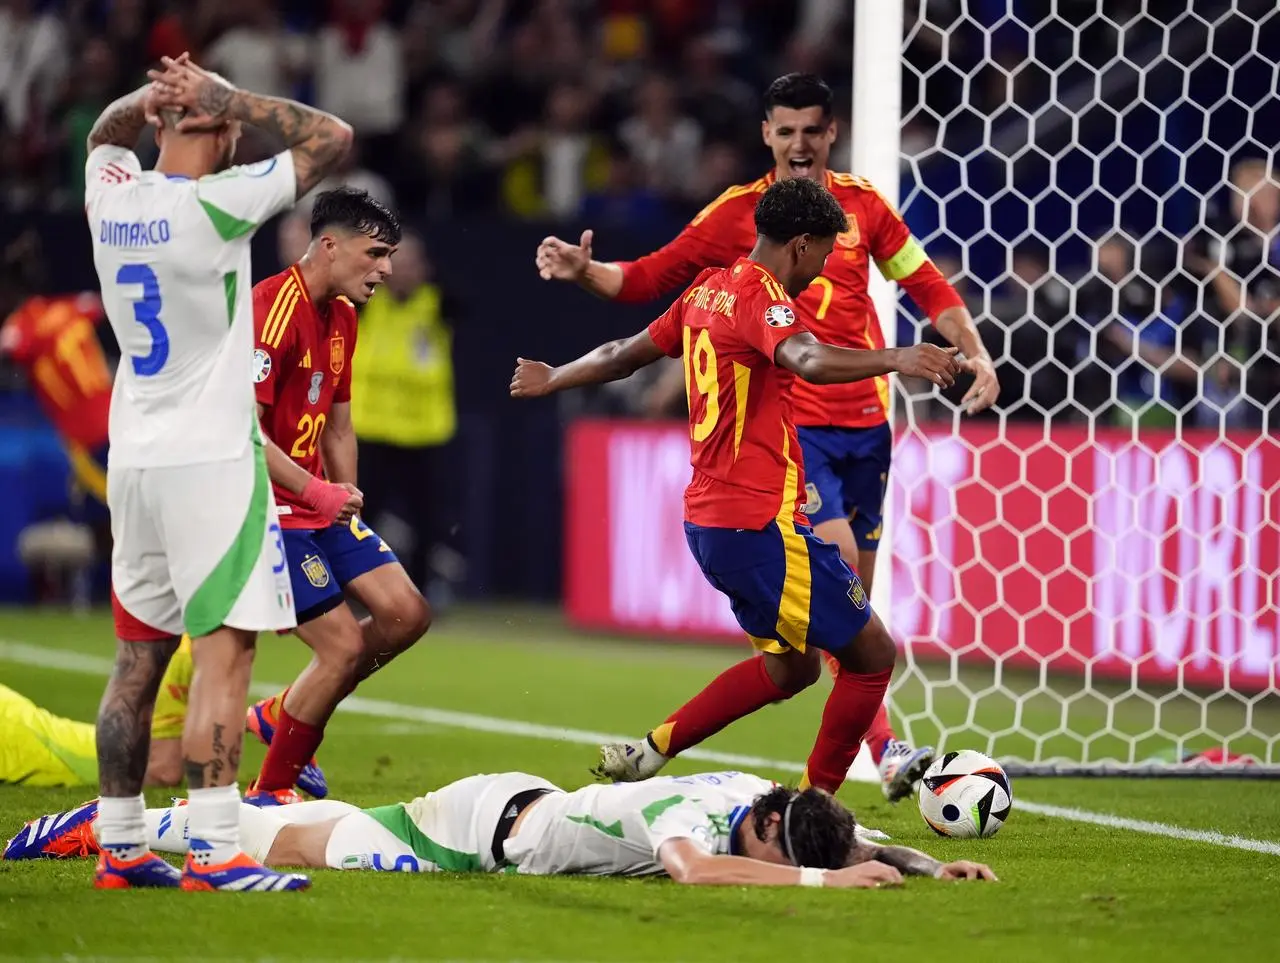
(146, 311)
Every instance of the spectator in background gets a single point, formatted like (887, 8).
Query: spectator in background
(350, 172)
(182, 27)
(1032, 301)
(561, 164)
(126, 30)
(453, 171)
(255, 51)
(293, 237)
(1242, 240)
(404, 415)
(713, 97)
(624, 200)
(455, 36)
(34, 60)
(95, 84)
(665, 142)
(1146, 359)
(1237, 263)
(358, 73)
(719, 168)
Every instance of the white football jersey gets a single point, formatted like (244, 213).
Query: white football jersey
(172, 256)
(616, 830)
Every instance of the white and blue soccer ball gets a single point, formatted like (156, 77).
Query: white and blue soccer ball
(965, 795)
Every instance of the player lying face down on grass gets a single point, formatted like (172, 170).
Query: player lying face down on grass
(742, 346)
(727, 828)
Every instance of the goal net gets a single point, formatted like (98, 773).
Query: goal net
(1085, 580)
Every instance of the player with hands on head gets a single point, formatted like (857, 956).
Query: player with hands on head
(843, 427)
(743, 346)
(196, 545)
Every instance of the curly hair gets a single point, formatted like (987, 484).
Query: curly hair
(798, 91)
(356, 211)
(798, 206)
(814, 828)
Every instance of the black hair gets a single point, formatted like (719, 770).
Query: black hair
(798, 206)
(814, 829)
(357, 212)
(798, 91)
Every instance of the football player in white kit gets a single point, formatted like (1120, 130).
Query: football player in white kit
(726, 828)
(196, 544)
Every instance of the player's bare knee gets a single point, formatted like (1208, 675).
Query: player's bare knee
(342, 652)
(405, 620)
(871, 651)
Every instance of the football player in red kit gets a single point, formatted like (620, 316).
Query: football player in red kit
(843, 428)
(305, 325)
(743, 346)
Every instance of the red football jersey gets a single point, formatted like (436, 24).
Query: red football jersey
(837, 307)
(56, 340)
(302, 365)
(726, 328)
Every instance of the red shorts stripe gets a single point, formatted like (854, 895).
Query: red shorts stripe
(131, 629)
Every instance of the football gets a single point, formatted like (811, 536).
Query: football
(965, 795)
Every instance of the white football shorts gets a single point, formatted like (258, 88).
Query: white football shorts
(199, 546)
(448, 830)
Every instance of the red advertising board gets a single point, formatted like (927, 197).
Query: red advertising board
(1082, 550)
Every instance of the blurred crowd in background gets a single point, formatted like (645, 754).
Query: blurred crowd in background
(612, 110)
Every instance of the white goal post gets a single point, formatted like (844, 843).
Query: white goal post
(1087, 581)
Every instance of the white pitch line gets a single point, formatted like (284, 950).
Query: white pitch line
(25, 654)
(1153, 828)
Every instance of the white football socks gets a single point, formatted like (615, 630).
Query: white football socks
(214, 824)
(121, 827)
(167, 829)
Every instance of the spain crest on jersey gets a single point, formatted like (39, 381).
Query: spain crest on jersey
(337, 353)
(314, 569)
(851, 237)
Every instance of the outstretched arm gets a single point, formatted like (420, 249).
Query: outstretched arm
(912, 862)
(824, 364)
(609, 362)
(687, 863)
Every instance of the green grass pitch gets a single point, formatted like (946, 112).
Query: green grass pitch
(1069, 891)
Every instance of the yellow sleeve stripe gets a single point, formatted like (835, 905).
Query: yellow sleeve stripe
(772, 287)
(909, 259)
(728, 195)
(281, 311)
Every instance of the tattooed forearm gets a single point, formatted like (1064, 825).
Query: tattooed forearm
(121, 124)
(223, 759)
(124, 718)
(909, 862)
(318, 140)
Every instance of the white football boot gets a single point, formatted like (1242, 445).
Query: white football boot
(629, 761)
(901, 767)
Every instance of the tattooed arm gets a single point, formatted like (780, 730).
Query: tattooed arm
(121, 124)
(317, 140)
(912, 862)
